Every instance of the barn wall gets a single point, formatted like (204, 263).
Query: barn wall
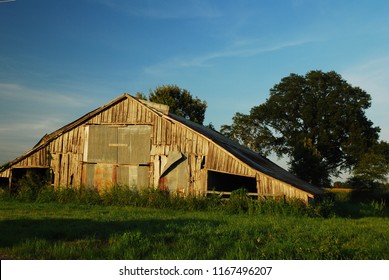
(269, 187)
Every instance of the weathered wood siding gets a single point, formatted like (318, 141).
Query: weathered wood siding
(64, 153)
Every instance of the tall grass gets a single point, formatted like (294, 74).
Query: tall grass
(343, 204)
(239, 202)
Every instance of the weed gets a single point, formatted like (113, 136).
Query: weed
(374, 208)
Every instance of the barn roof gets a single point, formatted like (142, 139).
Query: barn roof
(249, 157)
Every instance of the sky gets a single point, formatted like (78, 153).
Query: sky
(62, 59)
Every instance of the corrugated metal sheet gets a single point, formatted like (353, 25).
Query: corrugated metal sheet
(134, 144)
(118, 155)
(101, 143)
(133, 176)
(122, 145)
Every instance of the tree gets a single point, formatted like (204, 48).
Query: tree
(180, 102)
(373, 168)
(317, 120)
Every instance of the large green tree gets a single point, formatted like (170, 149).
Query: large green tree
(180, 102)
(317, 120)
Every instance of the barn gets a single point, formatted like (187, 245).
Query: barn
(137, 143)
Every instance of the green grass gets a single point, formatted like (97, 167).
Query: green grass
(54, 230)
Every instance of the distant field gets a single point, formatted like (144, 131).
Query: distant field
(78, 231)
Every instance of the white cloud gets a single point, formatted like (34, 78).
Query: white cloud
(21, 93)
(239, 49)
(26, 114)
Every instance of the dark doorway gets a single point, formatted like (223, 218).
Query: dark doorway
(4, 183)
(224, 182)
(29, 177)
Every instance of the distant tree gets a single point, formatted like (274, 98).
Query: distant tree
(141, 95)
(180, 102)
(372, 169)
(317, 120)
(211, 126)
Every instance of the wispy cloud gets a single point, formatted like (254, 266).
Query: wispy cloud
(26, 114)
(20, 132)
(18, 92)
(239, 49)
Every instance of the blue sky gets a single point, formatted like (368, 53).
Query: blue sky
(62, 59)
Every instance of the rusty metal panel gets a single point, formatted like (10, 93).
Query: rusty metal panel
(133, 176)
(104, 175)
(176, 178)
(99, 175)
(134, 144)
(102, 144)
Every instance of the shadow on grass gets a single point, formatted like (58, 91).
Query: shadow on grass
(14, 232)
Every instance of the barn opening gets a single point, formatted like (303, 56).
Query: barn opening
(31, 177)
(4, 183)
(224, 182)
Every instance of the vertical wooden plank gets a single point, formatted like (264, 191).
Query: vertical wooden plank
(154, 137)
(108, 119)
(86, 139)
(173, 132)
(126, 106)
(102, 117)
(182, 139)
(120, 118)
(159, 131)
(157, 170)
(117, 111)
(205, 148)
(74, 141)
(80, 144)
(98, 119)
(65, 142)
(133, 112)
(55, 167)
(149, 116)
(112, 114)
(163, 132)
(58, 146)
(196, 140)
(70, 135)
(144, 113)
(137, 113)
(168, 132)
(215, 156)
(105, 117)
(77, 174)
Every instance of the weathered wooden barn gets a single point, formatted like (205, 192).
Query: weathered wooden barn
(138, 143)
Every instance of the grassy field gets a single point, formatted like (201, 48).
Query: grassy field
(55, 230)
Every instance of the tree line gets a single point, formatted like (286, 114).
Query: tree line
(317, 120)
